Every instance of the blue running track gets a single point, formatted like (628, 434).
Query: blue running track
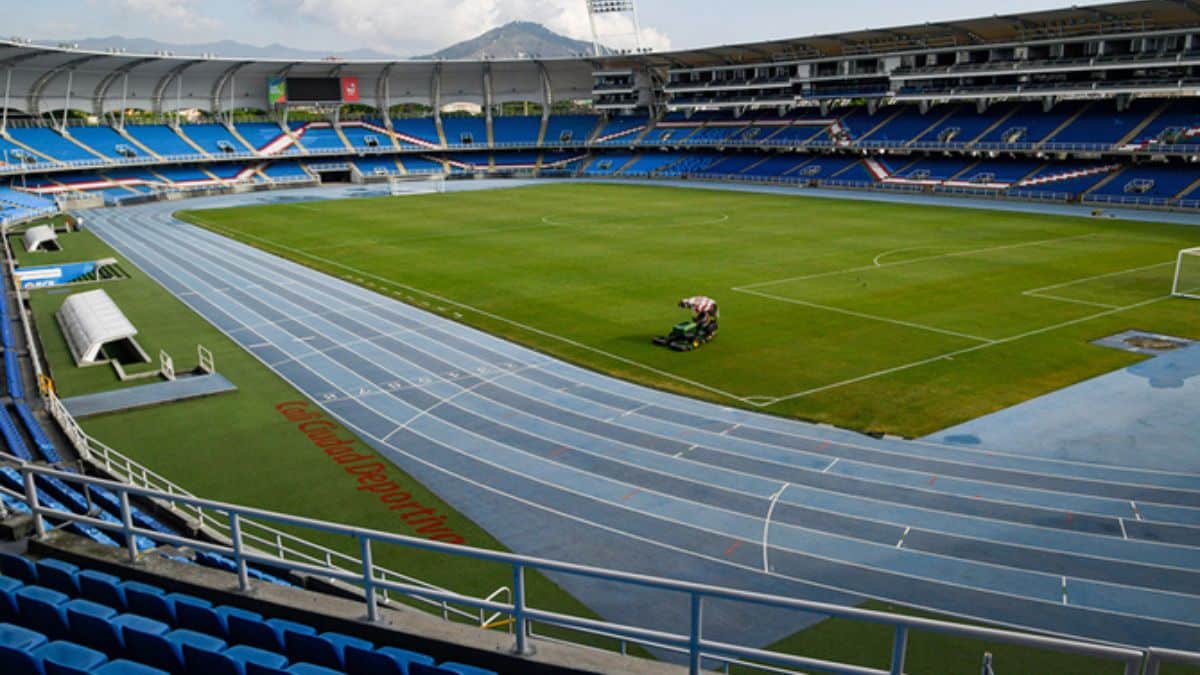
(560, 461)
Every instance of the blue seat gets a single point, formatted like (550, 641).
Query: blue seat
(58, 575)
(448, 668)
(203, 617)
(8, 603)
(326, 649)
(123, 624)
(68, 658)
(251, 659)
(20, 637)
(41, 609)
(123, 667)
(19, 661)
(102, 588)
(18, 567)
(165, 651)
(266, 634)
(149, 601)
(384, 661)
(310, 669)
(207, 660)
(91, 625)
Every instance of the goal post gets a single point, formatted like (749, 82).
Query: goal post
(1187, 274)
(414, 184)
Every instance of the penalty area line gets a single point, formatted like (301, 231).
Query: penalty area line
(967, 350)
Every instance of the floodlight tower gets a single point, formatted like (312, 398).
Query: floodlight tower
(625, 7)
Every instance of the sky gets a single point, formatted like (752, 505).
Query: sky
(408, 27)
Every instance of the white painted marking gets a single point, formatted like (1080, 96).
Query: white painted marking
(1136, 514)
(767, 526)
(900, 543)
(911, 261)
(1064, 590)
(894, 251)
(1122, 522)
(863, 315)
(835, 461)
(729, 429)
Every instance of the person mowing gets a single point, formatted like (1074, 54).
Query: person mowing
(690, 335)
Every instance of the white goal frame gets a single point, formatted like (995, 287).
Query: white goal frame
(1176, 291)
(400, 185)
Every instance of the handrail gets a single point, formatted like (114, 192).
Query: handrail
(698, 647)
(285, 545)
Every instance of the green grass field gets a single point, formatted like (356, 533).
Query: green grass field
(879, 317)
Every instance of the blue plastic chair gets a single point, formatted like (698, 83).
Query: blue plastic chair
(19, 637)
(326, 649)
(41, 610)
(149, 601)
(383, 661)
(102, 588)
(123, 667)
(18, 567)
(58, 575)
(68, 658)
(91, 625)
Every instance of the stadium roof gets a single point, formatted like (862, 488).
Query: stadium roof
(1049, 24)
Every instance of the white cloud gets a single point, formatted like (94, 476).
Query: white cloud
(175, 13)
(391, 25)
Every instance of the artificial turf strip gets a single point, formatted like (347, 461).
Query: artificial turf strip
(238, 448)
(878, 317)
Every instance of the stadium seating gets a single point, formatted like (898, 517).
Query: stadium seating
(161, 140)
(522, 130)
(465, 131)
(52, 144)
(316, 138)
(1101, 124)
(107, 142)
(1029, 124)
(569, 129)
(214, 139)
(418, 129)
(58, 618)
(620, 130)
(363, 137)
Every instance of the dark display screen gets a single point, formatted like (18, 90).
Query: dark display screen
(314, 89)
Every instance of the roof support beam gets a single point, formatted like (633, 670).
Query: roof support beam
(107, 81)
(173, 75)
(226, 76)
(39, 85)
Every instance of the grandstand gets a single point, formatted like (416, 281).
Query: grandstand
(723, 530)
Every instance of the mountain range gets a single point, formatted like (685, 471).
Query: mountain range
(516, 40)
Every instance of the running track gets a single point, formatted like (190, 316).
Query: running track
(559, 461)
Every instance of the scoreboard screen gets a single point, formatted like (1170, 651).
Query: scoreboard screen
(314, 89)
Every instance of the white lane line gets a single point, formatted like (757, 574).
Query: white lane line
(835, 461)
(1122, 522)
(729, 429)
(900, 544)
(863, 315)
(1064, 590)
(1073, 301)
(1136, 514)
(767, 526)
(911, 261)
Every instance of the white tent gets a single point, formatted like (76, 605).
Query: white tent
(92, 320)
(41, 238)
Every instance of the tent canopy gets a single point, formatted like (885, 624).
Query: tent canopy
(91, 320)
(41, 238)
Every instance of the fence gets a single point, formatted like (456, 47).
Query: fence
(376, 583)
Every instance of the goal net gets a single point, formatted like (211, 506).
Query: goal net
(1187, 274)
(415, 184)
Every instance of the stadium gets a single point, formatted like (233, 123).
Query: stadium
(412, 366)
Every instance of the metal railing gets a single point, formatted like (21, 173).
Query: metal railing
(521, 615)
(282, 545)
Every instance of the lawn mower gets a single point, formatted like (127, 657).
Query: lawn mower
(694, 333)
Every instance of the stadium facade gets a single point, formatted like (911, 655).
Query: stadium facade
(1094, 104)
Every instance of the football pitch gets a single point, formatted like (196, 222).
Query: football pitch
(874, 316)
